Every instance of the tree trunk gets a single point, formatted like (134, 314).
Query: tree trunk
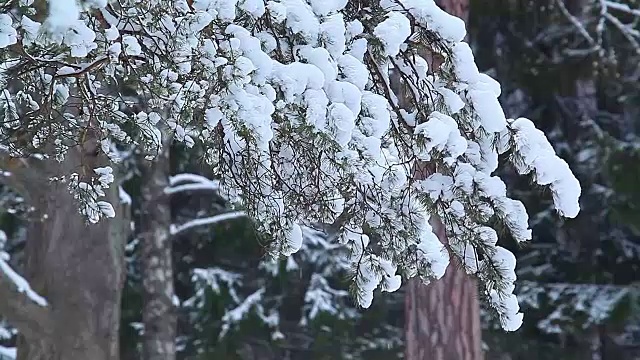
(158, 314)
(442, 319)
(77, 267)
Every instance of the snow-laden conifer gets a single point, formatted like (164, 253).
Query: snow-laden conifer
(296, 104)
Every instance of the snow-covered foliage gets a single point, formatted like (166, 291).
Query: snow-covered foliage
(303, 123)
(291, 299)
(592, 303)
(328, 260)
(583, 95)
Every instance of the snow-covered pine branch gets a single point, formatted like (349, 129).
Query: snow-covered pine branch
(293, 103)
(248, 293)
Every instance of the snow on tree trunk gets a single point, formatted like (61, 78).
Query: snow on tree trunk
(442, 319)
(77, 267)
(157, 267)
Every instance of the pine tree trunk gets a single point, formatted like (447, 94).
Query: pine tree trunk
(442, 319)
(158, 314)
(78, 267)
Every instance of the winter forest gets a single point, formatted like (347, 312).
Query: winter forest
(319, 179)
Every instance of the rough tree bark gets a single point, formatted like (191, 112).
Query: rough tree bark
(77, 267)
(442, 319)
(158, 314)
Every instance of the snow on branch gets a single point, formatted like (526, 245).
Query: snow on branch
(193, 183)
(176, 229)
(8, 353)
(187, 177)
(21, 285)
(603, 13)
(592, 304)
(18, 281)
(22, 306)
(576, 22)
(241, 306)
(622, 7)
